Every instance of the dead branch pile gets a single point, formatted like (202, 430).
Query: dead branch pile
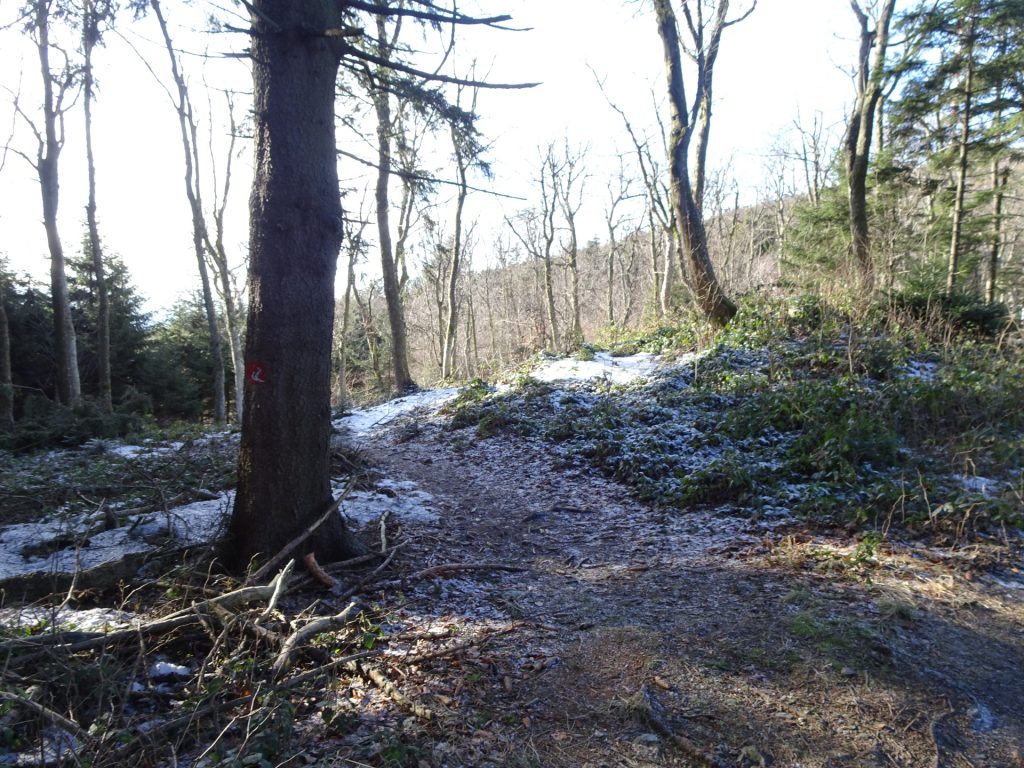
(220, 670)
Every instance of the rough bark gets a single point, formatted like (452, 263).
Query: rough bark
(295, 237)
(869, 80)
(708, 293)
(403, 381)
(51, 142)
(90, 36)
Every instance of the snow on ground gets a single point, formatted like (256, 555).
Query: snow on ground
(616, 370)
(78, 547)
(921, 369)
(65, 619)
(368, 421)
(400, 499)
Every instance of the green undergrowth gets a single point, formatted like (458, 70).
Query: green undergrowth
(875, 420)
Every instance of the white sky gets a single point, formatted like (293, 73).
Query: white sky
(787, 56)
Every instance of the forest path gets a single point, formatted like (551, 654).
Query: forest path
(648, 638)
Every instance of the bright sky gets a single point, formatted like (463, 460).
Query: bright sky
(789, 55)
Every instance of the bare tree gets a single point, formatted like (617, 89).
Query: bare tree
(659, 213)
(94, 16)
(966, 114)
(6, 377)
(465, 150)
(569, 184)
(686, 121)
(218, 255)
(869, 81)
(193, 192)
(59, 89)
(355, 248)
(1000, 179)
(619, 193)
(385, 44)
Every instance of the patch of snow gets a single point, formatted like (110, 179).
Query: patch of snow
(983, 485)
(166, 669)
(921, 369)
(400, 499)
(128, 451)
(983, 720)
(616, 370)
(55, 747)
(83, 550)
(66, 619)
(368, 421)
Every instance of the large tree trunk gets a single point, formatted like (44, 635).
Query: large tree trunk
(90, 35)
(712, 300)
(870, 71)
(69, 386)
(295, 236)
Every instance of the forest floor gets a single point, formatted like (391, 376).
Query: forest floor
(537, 612)
(645, 638)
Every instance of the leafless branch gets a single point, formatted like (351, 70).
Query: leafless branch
(405, 174)
(361, 55)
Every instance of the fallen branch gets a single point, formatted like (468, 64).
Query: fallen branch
(242, 595)
(324, 669)
(354, 562)
(451, 650)
(383, 533)
(450, 568)
(377, 677)
(355, 588)
(191, 615)
(318, 573)
(654, 715)
(305, 534)
(46, 713)
(284, 658)
(446, 569)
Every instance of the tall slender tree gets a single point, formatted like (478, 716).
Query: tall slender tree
(870, 80)
(688, 120)
(96, 14)
(200, 232)
(381, 94)
(6, 378)
(962, 84)
(59, 89)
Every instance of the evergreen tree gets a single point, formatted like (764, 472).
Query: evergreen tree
(958, 117)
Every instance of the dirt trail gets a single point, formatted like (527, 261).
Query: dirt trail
(653, 638)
